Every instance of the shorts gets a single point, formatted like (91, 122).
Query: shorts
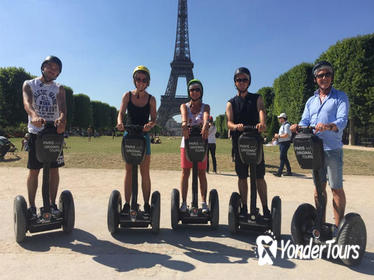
(241, 169)
(333, 169)
(33, 162)
(185, 163)
(147, 142)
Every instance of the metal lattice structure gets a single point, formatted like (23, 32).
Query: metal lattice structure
(181, 66)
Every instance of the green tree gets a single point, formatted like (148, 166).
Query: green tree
(268, 94)
(221, 125)
(101, 115)
(69, 106)
(353, 62)
(113, 116)
(82, 114)
(12, 111)
(292, 89)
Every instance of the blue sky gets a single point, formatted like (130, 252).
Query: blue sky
(100, 42)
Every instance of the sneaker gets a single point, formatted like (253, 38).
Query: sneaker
(147, 210)
(54, 210)
(267, 215)
(277, 174)
(288, 174)
(183, 207)
(32, 212)
(244, 211)
(204, 208)
(126, 208)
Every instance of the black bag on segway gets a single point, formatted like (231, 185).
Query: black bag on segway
(308, 150)
(195, 146)
(250, 147)
(133, 148)
(48, 144)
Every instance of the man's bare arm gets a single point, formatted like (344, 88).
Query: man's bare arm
(27, 100)
(262, 114)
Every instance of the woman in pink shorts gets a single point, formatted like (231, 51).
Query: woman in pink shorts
(194, 112)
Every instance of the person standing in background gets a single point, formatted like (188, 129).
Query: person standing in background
(212, 145)
(284, 141)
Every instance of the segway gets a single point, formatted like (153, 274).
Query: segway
(307, 221)
(196, 150)
(250, 145)
(133, 152)
(48, 147)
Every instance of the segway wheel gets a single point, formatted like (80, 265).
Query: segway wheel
(155, 212)
(66, 205)
(234, 208)
(276, 216)
(20, 218)
(303, 219)
(214, 209)
(114, 209)
(174, 208)
(352, 231)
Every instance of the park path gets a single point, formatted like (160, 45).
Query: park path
(91, 252)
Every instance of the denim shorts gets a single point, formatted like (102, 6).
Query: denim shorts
(333, 169)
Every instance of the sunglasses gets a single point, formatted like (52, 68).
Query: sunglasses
(141, 80)
(327, 75)
(241, 80)
(195, 89)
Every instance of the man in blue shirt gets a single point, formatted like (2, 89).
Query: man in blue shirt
(327, 110)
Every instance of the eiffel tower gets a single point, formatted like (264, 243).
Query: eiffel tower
(181, 66)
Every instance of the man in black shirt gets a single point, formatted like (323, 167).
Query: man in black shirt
(247, 109)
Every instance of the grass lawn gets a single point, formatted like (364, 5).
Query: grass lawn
(105, 152)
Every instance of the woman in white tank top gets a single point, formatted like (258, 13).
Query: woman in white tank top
(195, 112)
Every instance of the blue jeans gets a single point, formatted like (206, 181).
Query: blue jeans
(283, 147)
(333, 169)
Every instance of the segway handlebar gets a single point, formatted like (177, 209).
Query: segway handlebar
(133, 128)
(305, 129)
(250, 128)
(49, 124)
(194, 129)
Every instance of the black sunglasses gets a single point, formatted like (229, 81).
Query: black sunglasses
(141, 80)
(241, 80)
(327, 75)
(195, 89)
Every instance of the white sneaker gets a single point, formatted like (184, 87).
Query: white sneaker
(183, 207)
(204, 208)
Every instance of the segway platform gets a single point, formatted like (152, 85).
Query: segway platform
(196, 151)
(48, 147)
(250, 146)
(133, 150)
